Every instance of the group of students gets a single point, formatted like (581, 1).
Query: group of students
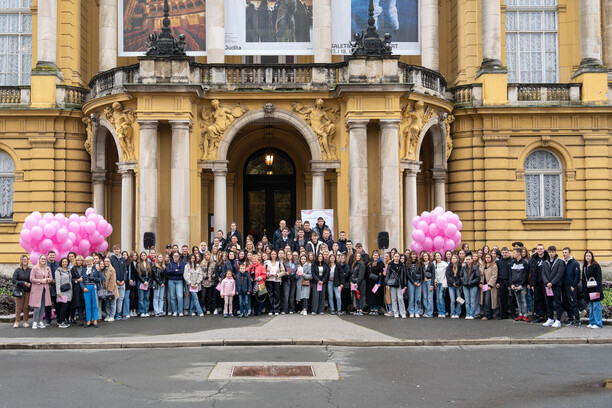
(304, 270)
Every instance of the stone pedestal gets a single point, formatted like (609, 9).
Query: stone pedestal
(47, 33)
(215, 31)
(219, 169)
(390, 180)
(590, 33)
(148, 208)
(108, 35)
(491, 34)
(411, 169)
(430, 37)
(322, 32)
(317, 171)
(179, 187)
(439, 179)
(126, 169)
(358, 181)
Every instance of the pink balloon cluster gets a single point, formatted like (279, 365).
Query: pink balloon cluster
(82, 235)
(436, 231)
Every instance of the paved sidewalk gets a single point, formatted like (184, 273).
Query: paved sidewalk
(295, 330)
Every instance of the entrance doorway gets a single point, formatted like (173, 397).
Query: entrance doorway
(269, 192)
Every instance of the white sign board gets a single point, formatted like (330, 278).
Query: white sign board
(312, 215)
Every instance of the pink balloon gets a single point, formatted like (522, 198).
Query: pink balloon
(96, 238)
(34, 258)
(415, 221)
(73, 218)
(82, 218)
(457, 237)
(82, 227)
(67, 244)
(423, 226)
(449, 245)
(73, 227)
(56, 224)
(49, 230)
(459, 225)
(37, 215)
(30, 221)
(84, 246)
(61, 234)
(441, 222)
(452, 219)
(61, 218)
(418, 236)
(37, 233)
(90, 227)
(109, 231)
(90, 211)
(72, 236)
(450, 230)
(46, 245)
(24, 245)
(25, 235)
(439, 209)
(428, 244)
(433, 230)
(438, 243)
(425, 216)
(42, 223)
(92, 217)
(103, 246)
(102, 226)
(48, 217)
(415, 246)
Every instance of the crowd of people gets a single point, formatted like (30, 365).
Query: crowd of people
(304, 270)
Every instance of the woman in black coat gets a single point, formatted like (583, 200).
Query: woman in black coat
(320, 275)
(77, 303)
(375, 277)
(594, 294)
(358, 279)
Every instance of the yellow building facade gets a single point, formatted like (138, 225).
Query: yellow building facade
(503, 121)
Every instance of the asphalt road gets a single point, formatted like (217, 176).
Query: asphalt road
(472, 376)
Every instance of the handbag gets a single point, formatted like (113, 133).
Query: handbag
(392, 279)
(261, 290)
(591, 283)
(305, 282)
(104, 294)
(594, 295)
(373, 276)
(18, 291)
(387, 295)
(65, 287)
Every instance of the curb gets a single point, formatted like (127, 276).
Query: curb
(299, 342)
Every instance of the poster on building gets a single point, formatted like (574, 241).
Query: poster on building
(268, 27)
(400, 18)
(139, 18)
(313, 215)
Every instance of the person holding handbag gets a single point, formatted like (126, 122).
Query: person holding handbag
(396, 281)
(289, 284)
(110, 284)
(375, 268)
(359, 284)
(304, 274)
(274, 268)
(40, 277)
(470, 279)
(193, 277)
(77, 304)
(320, 275)
(259, 275)
(21, 293)
(63, 288)
(488, 286)
(144, 281)
(594, 294)
(414, 273)
(453, 279)
(441, 284)
(208, 283)
(159, 278)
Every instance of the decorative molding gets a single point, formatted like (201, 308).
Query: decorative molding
(322, 121)
(414, 118)
(216, 121)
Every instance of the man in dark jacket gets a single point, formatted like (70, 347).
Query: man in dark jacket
(552, 275)
(307, 231)
(284, 240)
(233, 232)
(279, 232)
(320, 227)
(118, 263)
(519, 277)
(327, 239)
(342, 242)
(571, 278)
(536, 262)
(503, 278)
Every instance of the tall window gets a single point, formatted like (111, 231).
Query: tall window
(543, 184)
(531, 41)
(15, 42)
(7, 180)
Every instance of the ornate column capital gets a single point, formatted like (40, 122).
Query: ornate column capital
(147, 123)
(389, 124)
(354, 124)
(180, 124)
(438, 174)
(410, 167)
(125, 168)
(98, 176)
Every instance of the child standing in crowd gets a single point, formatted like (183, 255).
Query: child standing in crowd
(244, 284)
(228, 288)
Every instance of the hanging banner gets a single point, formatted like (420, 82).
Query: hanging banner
(400, 18)
(138, 19)
(312, 217)
(268, 27)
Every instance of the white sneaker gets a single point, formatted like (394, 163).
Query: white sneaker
(403, 316)
(181, 315)
(590, 326)
(290, 313)
(174, 314)
(201, 315)
(595, 327)
(35, 325)
(441, 316)
(25, 324)
(556, 324)
(62, 326)
(276, 314)
(216, 311)
(417, 316)
(193, 314)
(548, 323)
(41, 325)
(16, 325)
(411, 316)
(396, 316)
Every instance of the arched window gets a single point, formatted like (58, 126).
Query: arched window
(7, 180)
(543, 185)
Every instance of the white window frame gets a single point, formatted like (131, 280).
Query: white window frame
(20, 34)
(541, 173)
(9, 174)
(542, 9)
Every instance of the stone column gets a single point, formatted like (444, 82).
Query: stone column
(148, 209)
(590, 32)
(430, 37)
(126, 169)
(411, 169)
(606, 7)
(317, 170)
(47, 33)
(99, 190)
(439, 179)
(322, 32)
(219, 169)
(358, 181)
(107, 54)
(215, 31)
(390, 180)
(491, 34)
(179, 187)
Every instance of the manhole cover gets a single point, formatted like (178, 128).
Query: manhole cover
(273, 371)
(263, 370)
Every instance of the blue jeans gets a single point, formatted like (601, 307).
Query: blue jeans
(428, 298)
(440, 301)
(470, 300)
(455, 308)
(158, 299)
(195, 303)
(176, 295)
(414, 299)
(595, 314)
(244, 303)
(91, 303)
(120, 300)
(143, 301)
(334, 292)
(529, 300)
(125, 310)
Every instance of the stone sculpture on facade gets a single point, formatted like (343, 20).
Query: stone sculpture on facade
(321, 120)
(449, 140)
(123, 121)
(217, 119)
(414, 118)
(88, 121)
